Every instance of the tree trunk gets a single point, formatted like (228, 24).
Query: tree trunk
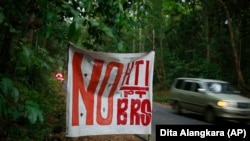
(162, 62)
(156, 68)
(241, 81)
(207, 35)
(5, 52)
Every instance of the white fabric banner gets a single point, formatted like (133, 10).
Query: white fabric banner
(109, 93)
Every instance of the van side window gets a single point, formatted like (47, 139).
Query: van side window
(179, 83)
(196, 86)
(187, 86)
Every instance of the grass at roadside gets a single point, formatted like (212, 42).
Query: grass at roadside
(161, 96)
(58, 124)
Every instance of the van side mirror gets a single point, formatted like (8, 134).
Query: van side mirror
(202, 90)
(237, 92)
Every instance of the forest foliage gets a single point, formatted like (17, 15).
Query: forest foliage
(191, 38)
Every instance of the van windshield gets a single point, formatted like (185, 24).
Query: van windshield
(217, 87)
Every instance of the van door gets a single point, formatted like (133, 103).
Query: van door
(187, 95)
(197, 98)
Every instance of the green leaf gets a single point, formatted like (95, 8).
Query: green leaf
(74, 33)
(1, 17)
(16, 114)
(26, 52)
(3, 108)
(50, 16)
(121, 6)
(6, 85)
(9, 89)
(15, 94)
(107, 31)
(34, 114)
(94, 23)
(121, 47)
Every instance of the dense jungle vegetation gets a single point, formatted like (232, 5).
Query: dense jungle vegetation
(192, 38)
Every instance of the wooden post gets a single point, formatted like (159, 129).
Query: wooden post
(149, 137)
(153, 39)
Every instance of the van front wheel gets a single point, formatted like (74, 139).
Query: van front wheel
(210, 115)
(177, 107)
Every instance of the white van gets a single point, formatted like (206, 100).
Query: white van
(212, 98)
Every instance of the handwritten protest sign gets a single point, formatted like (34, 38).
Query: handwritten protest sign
(109, 93)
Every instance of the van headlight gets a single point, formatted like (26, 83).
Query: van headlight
(221, 103)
